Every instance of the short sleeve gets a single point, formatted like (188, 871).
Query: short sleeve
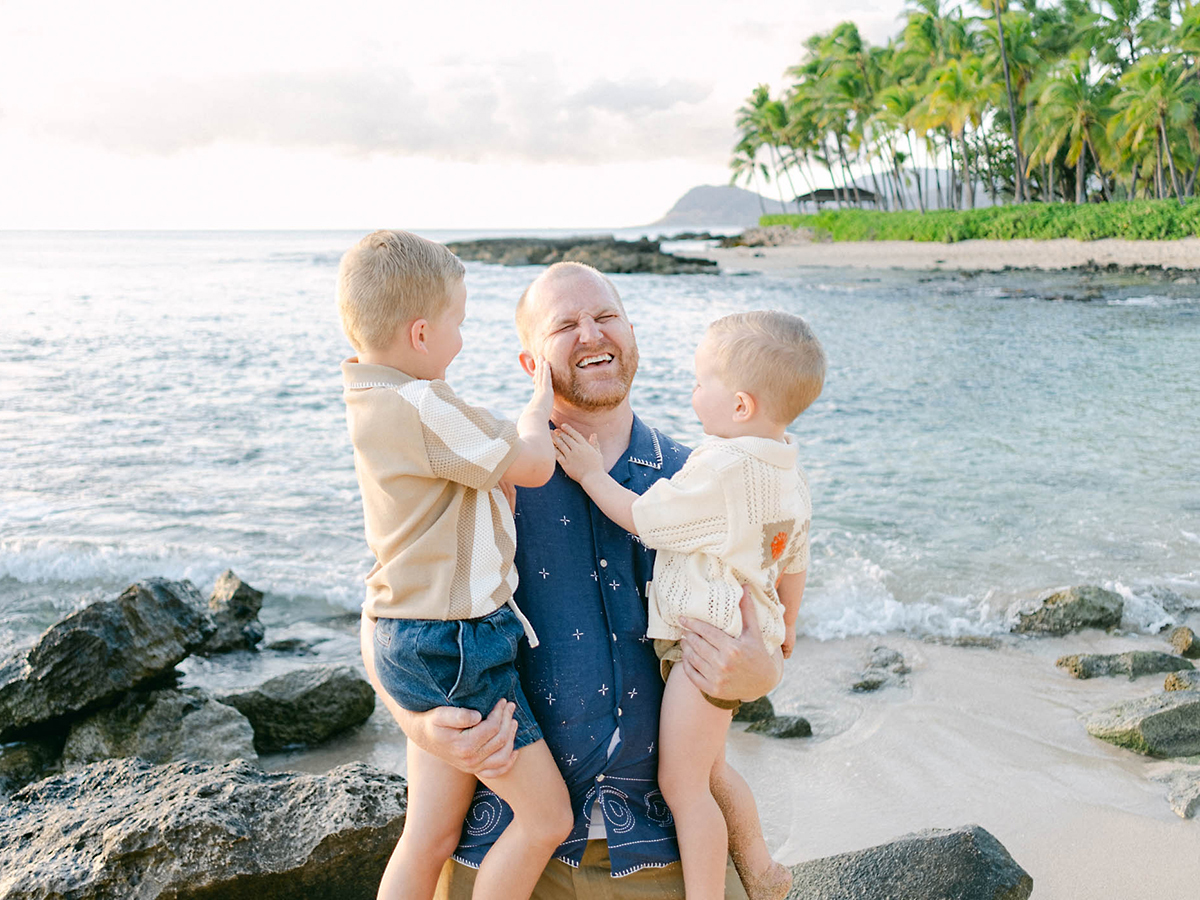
(685, 513)
(465, 444)
(797, 561)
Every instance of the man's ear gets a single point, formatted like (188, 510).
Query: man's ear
(746, 407)
(417, 335)
(528, 363)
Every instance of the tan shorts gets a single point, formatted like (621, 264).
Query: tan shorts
(591, 881)
(669, 653)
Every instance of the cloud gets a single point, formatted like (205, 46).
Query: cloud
(517, 111)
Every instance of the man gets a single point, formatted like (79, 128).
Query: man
(594, 682)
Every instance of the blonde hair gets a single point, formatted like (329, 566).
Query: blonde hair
(773, 356)
(390, 278)
(558, 269)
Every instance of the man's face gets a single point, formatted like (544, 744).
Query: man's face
(581, 330)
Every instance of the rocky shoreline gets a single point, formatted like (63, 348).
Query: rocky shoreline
(115, 781)
(603, 252)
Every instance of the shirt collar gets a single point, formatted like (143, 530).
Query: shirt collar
(781, 454)
(365, 375)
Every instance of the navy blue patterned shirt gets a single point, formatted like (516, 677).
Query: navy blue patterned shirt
(583, 586)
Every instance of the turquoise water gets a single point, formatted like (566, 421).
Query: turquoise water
(170, 404)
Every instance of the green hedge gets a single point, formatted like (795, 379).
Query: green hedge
(1132, 220)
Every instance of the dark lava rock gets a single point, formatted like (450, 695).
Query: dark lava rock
(294, 646)
(161, 727)
(22, 763)
(1185, 643)
(871, 681)
(1162, 725)
(1072, 609)
(234, 607)
(99, 652)
(193, 831)
(782, 727)
(755, 711)
(1183, 681)
(306, 706)
(1134, 664)
(604, 253)
(965, 863)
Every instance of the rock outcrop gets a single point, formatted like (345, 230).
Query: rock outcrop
(161, 727)
(234, 607)
(604, 253)
(782, 727)
(1185, 642)
(1162, 725)
(961, 864)
(306, 706)
(191, 831)
(1072, 609)
(771, 236)
(1183, 788)
(755, 711)
(1133, 664)
(99, 652)
(28, 761)
(885, 666)
(1183, 681)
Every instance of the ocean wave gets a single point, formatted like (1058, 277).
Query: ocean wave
(1153, 300)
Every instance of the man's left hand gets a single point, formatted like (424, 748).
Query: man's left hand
(730, 668)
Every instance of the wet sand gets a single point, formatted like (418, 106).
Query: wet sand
(968, 255)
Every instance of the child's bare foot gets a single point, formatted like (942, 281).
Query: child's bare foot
(773, 883)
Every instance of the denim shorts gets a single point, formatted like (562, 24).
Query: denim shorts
(470, 663)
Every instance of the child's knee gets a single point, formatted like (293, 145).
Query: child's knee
(433, 843)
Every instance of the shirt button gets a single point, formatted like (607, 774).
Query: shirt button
(620, 712)
(600, 777)
(604, 563)
(614, 637)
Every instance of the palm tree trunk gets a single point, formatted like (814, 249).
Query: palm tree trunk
(1158, 171)
(968, 183)
(1099, 171)
(913, 157)
(1018, 170)
(1171, 161)
(778, 183)
(1079, 198)
(1191, 182)
(1046, 197)
(846, 173)
(832, 180)
(875, 181)
(1050, 168)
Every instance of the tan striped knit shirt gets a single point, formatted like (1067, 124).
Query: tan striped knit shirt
(428, 465)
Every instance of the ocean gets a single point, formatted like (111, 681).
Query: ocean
(170, 404)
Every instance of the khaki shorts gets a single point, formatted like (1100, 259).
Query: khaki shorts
(669, 653)
(591, 881)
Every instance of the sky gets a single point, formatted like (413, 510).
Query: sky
(265, 114)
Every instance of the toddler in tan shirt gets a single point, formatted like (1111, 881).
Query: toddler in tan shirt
(442, 627)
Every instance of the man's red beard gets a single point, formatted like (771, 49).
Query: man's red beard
(572, 387)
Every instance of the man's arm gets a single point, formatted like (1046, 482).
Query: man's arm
(461, 737)
(730, 668)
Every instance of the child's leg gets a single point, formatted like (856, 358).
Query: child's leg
(542, 819)
(438, 798)
(691, 740)
(763, 878)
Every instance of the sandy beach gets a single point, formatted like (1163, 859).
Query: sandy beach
(969, 255)
(978, 735)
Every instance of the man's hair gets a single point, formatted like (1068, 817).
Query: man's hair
(390, 278)
(773, 356)
(524, 326)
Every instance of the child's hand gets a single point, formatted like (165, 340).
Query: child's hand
(578, 457)
(789, 640)
(542, 401)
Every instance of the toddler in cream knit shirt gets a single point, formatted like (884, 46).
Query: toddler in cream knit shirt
(737, 514)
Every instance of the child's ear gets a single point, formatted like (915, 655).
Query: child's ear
(745, 408)
(417, 335)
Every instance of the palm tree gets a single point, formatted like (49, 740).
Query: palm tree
(1072, 112)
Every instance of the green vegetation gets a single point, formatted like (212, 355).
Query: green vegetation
(1133, 220)
(1023, 101)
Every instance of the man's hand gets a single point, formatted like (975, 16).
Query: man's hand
(465, 740)
(578, 457)
(730, 668)
(461, 737)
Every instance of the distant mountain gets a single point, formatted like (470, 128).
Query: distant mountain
(718, 205)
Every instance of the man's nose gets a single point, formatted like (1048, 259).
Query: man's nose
(589, 331)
